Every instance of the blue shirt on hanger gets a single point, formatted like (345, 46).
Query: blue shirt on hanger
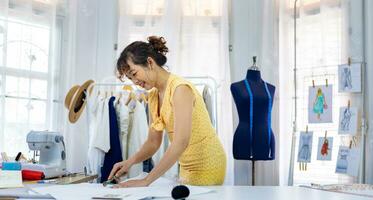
(114, 155)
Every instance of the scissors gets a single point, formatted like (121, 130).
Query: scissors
(112, 181)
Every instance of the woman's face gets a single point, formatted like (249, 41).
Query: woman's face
(140, 75)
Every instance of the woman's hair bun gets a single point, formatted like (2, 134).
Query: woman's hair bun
(158, 44)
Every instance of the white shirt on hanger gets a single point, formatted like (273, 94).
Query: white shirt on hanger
(207, 98)
(95, 106)
(137, 136)
(101, 139)
(122, 111)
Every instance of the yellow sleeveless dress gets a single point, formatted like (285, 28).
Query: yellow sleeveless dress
(204, 161)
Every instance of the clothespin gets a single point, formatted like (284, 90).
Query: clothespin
(354, 138)
(326, 133)
(350, 144)
(349, 61)
(307, 129)
(313, 83)
(326, 80)
(349, 104)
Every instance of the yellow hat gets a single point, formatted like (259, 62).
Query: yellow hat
(75, 100)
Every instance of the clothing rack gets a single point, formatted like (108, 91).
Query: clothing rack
(110, 84)
(196, 80)
(110, 81)
(213, 85)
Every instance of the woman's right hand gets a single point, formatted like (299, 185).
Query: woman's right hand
(120, 168)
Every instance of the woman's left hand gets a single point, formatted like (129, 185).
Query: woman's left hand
(133, 183)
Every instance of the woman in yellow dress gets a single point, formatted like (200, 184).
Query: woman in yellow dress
(176, 106)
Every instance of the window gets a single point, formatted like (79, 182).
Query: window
(26, 81)
(196, 29)
(200, 35)
(142, 18)
(321, 47)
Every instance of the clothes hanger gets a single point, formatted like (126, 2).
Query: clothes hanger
(143, 98)
(131, 95)
(127, 87)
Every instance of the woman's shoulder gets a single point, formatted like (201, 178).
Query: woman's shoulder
(177, 81)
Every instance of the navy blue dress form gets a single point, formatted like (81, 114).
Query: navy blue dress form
(253, 138)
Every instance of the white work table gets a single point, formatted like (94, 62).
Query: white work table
(275, 192)
(256, 192)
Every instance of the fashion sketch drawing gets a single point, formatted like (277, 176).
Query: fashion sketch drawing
(349, 78)
(346, 119)
(320, 101)
(342, 162)
(325, 148)
(320, 104)
(305, 147)
(346, 80)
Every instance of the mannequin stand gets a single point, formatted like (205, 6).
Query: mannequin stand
(253, 173)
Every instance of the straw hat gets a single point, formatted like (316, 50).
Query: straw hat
(75, 100)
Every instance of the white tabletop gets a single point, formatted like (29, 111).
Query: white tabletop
(274, 192)
(259, 192)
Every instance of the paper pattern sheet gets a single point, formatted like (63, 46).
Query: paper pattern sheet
(10, 179)
(160, 188)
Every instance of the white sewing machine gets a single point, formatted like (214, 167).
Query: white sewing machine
(52, 160)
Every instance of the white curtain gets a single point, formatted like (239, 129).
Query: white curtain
(328, 32)
(254, 28)
(266, 47)
(28, 45)
(89, 31)
(197, 36)
(368, 19)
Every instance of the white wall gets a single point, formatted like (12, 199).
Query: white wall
(254, 32)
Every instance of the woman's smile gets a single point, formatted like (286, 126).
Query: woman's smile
(142, 84)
